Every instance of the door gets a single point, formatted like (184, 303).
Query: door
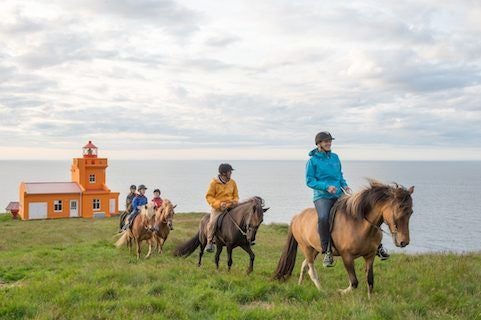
(112, 205)
(37, 210)
(73, 208)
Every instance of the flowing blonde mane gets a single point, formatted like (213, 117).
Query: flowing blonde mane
(147, 210)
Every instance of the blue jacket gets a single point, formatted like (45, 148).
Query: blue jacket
(323, 170)
(139, 200)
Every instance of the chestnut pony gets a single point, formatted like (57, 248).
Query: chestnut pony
(355, 231)
(141, 229)
(163, 224)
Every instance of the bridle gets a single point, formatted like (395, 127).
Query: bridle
(248, 220)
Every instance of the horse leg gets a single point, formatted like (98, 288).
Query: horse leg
(129, 244)
(138, 248)
(229, 257)
(217, 256)
(150, 248)
(160, 244)
(370, 274)
(351, 271)
(252, 256)
(304, 268)
(310, 253)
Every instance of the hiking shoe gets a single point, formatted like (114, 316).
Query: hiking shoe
(209, 247)
(382, 253)
(328, 260)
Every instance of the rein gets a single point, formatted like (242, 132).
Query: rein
(235, 223)
(376, 226)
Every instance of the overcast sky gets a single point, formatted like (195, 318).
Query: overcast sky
(240, 79)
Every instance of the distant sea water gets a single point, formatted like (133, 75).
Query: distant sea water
(447, 201)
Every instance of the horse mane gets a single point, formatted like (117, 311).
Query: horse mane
(256, 199)
(147, 210)
(360, 203)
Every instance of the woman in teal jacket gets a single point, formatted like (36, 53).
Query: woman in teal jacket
(324, 176)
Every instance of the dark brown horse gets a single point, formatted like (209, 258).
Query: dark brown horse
(355, 232)
(162, 226)
(237, 228)
(141, 229)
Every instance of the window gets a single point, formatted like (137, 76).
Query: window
(92, 178)
(96, 204)
(57, 205)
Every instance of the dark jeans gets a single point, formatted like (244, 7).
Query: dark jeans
(323, 208)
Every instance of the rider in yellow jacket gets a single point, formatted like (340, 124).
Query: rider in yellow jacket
(221, 195)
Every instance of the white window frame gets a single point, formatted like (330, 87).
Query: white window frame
(57, 204)
(94, 203)
(92, 178)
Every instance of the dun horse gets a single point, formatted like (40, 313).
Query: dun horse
(235, 228)
(141, 229)
(355, 231)
(162, 226)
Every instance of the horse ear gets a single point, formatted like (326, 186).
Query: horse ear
(174, 206)
(411, 190)
(265, 209)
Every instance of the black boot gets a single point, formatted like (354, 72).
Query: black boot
(382, 253)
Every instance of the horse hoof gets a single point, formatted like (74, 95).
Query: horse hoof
(345, 291)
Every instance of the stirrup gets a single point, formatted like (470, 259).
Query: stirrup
(328, 260)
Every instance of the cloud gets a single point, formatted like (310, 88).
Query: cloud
(186, 75)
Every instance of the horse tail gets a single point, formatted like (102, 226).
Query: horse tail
(287, 260)
(186, 249)
(123, 239)
(122, 218)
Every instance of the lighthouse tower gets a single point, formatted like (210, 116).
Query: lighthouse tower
(90, 173)
(87, 195)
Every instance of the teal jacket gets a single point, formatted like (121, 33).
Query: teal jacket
(323, 170)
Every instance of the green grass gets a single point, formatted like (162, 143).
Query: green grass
(69, 269)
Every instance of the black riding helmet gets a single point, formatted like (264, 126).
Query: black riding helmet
(225, 167)
(142, 187)
(323, 135)
(133, 187)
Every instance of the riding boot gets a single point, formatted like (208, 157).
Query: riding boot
(328, 260)
(382, 253)
(209, 247)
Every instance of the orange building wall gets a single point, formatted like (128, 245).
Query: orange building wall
(50, 198)
(21, 199)
(87, 204)
(82, 168)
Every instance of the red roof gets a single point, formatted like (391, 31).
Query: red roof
(14, 205)
(52, 187)
(90, 145)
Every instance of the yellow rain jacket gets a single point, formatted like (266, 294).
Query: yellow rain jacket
(219, 192)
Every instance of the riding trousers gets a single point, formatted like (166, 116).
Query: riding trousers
(323, 208)
(211, 224)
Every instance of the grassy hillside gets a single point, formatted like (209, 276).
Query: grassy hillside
(69, 269)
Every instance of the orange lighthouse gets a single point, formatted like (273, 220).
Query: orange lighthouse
(87, 195)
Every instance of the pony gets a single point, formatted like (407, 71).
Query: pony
(141, 229)
(163, 224)
(355, 231)
(235, 228)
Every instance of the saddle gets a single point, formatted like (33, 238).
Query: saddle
(220, 219)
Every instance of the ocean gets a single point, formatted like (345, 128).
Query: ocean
(447, 205)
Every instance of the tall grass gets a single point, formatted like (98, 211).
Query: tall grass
(69, 269)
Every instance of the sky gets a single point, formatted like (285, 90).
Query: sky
(195, 79)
